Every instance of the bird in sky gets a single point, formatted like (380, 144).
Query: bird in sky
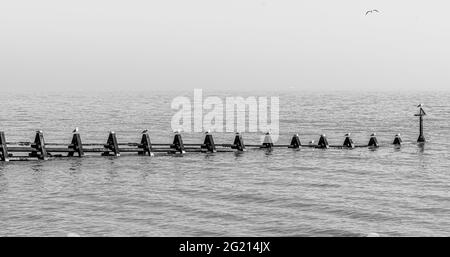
(75, 130)
(371, 11)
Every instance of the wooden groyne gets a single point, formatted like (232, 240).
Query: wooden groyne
(41, 150)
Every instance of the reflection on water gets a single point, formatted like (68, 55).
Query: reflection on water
(390, 190)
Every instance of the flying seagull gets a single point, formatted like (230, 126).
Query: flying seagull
(371, 11)
(75, 130)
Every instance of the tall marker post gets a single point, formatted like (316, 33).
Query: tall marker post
(421, 113)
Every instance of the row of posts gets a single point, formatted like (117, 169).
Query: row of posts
(111, 148)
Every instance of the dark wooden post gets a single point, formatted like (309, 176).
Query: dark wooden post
(238, 143)
(146, 145)
(323, 142)
(112, 145)
(348, 142)
(177, 144)
(209, 144)
(267, 143)
(373, 142)
(421, 113)
(398, 140)
(295, 142)
(76, 145)
(4, 155)
(39, 145)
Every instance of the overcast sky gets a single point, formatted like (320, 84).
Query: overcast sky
(229, 44)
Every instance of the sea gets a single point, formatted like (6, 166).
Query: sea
(388, 191)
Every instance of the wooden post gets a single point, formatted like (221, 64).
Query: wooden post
(76, 145)
(177, 144)
(209, 144)
(398, 140)
(348, 142)
(267, 143)
(373, 142)
(238, 143)
(146, 145)
(4, 156)
(421, 113)
(323, 142)
(39, 145)
(112, 145)
(295, 142)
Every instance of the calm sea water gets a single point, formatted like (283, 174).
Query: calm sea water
(285, 192)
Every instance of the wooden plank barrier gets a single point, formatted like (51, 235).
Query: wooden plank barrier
(41, 150)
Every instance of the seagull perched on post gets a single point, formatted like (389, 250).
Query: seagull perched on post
(75, 130)
(370, 11)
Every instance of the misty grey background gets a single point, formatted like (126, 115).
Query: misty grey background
(233, 44)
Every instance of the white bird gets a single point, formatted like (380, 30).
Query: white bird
(39, 131)
(112, 132)
(370, 11)
(75, 130)
(208, 131)
(398, 135)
